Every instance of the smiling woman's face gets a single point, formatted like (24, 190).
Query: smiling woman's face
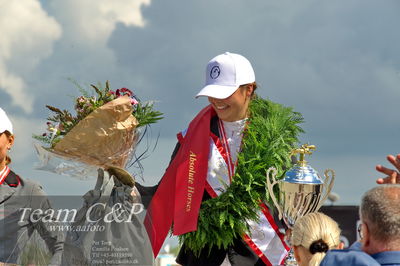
(234, 107)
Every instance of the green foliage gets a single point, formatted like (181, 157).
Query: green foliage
(145, 114)
(271, 134)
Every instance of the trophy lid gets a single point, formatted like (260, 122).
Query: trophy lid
(302, 172)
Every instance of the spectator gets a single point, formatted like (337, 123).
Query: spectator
(312, 236)
(17, 227)
(379, 231)
(380, 218)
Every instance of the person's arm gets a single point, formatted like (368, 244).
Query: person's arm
(147, 193)
(53, 238)
(392, 175)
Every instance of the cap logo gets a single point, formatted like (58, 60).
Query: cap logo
(215, 71)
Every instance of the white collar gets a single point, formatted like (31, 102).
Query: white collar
(238, 125)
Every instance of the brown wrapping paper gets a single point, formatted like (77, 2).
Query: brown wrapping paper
(106, 137)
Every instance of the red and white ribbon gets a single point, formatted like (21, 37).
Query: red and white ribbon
(230, 163)
(3, 174)
(264, 237)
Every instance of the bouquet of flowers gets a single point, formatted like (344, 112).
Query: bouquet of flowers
(103, 133)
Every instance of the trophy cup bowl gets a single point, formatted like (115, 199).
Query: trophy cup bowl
(301, 191)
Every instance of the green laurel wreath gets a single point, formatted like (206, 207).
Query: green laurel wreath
(271, 134)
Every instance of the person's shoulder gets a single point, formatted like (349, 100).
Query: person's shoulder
(348, 257)
(31, 185)
(387, 257)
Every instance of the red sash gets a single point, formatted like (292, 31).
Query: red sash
(178, 197)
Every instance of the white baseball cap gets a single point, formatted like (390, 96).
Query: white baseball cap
(5, 123)
(225, 73)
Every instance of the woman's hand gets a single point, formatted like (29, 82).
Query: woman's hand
(393, 175)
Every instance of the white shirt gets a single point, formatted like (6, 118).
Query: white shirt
(234, 135)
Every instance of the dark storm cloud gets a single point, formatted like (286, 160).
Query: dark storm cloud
(329, 60)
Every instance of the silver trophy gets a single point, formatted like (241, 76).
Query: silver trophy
(301, 191)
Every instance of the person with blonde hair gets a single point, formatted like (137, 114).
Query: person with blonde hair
(312, 236)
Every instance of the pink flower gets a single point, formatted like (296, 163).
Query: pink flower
(134, 101)
(123, 91)
(81, 99)
(79, 110)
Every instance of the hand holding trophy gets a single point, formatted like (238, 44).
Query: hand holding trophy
(301, 191)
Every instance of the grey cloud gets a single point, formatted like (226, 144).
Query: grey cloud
(329, 60)
(337, 62)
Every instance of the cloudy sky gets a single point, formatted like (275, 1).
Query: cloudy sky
(336, 62)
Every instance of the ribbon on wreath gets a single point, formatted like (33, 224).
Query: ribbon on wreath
(178, 197)
(197, 167)
(264, 237)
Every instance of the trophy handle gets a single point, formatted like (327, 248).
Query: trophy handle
(328, 187)
(270, 188)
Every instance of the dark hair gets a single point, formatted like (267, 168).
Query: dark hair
(8, 159)
(255, 86)
(318, 246)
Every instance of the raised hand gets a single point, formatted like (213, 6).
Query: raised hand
(392, 175)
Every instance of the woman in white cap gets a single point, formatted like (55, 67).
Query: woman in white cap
(19, 198)
(6, 142)
(202, 169)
